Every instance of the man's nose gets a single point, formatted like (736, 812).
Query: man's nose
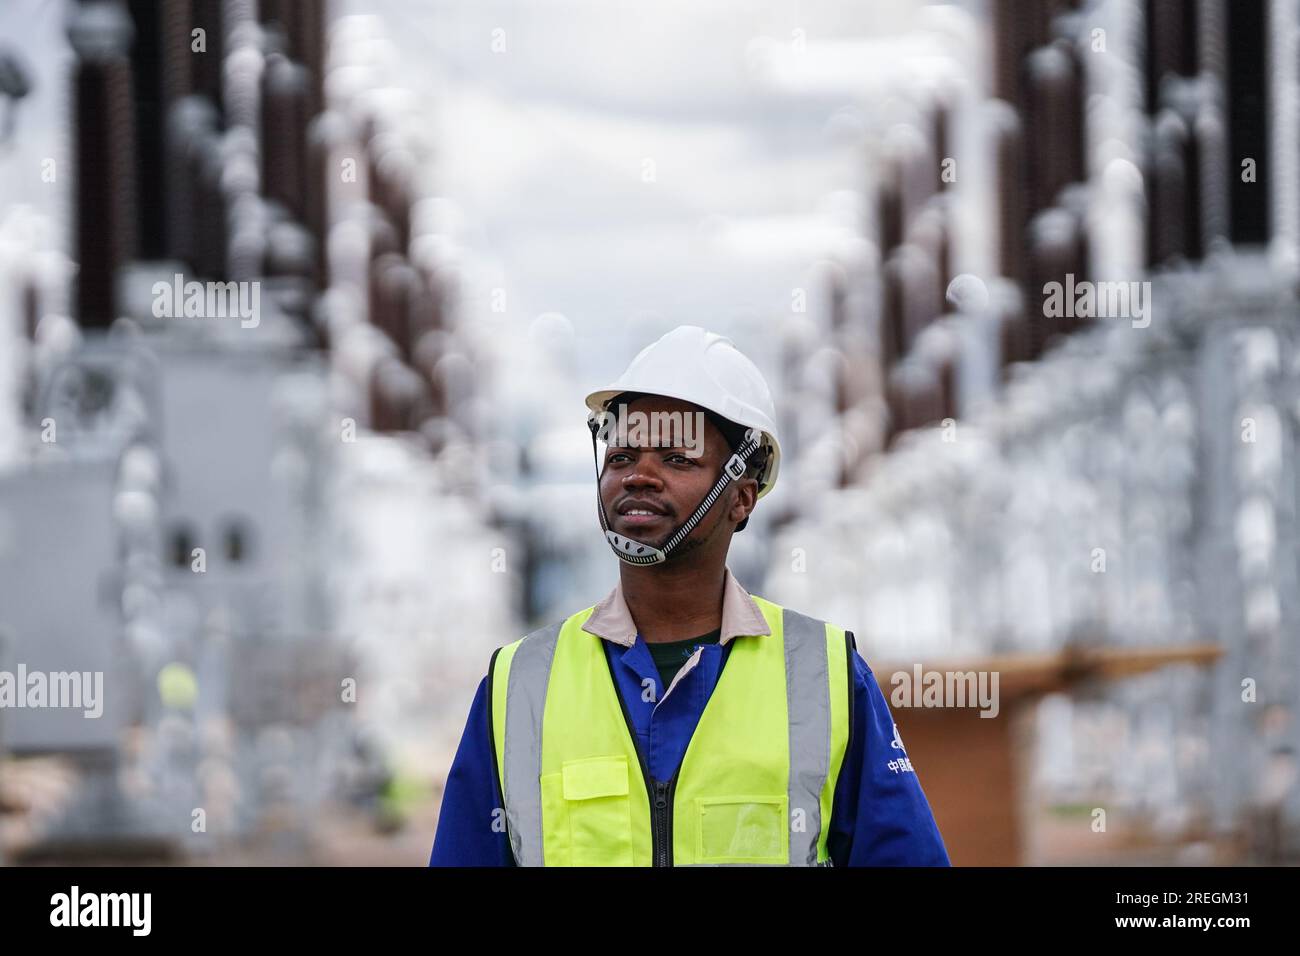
(645, 473)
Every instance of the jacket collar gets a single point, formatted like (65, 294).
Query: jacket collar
(741, 616)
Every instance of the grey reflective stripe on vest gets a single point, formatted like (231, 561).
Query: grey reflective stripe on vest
(530, 673)
(808, 698)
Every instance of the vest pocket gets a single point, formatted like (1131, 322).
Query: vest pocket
(596, 796)
(743, 829)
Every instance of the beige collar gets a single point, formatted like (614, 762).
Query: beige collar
(741, 616)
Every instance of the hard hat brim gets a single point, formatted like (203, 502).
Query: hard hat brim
(598, 400)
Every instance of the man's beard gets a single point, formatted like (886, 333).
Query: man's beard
(694, 541)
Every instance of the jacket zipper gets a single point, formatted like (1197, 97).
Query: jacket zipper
(660, 825)
(659, 792)
(662, 821)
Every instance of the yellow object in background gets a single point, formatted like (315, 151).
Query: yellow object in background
(177, 686)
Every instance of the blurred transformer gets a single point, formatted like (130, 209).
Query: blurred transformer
(188, 487)
(1081, 494)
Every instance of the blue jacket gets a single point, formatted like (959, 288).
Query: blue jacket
(880, 816)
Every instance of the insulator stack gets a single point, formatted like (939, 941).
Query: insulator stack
(161, 75)
(946, 375)
(1018, 27)
(892, 313)
(397, 288)
(326, 134)
(914, 162)
(1170, 45)
(940, 119)
(430, 349)
(303, 26)
(889, 212)
(206, 78)
(32, 307)
(191, 135)
(1074, 201)
(244, 74)
(1212, 121)
(915, 397)
(922, 293)
(424, 318)
(839, 320)
(285, 105)
(177, 83)
(1054, 257)
(390, 179)
(1055, 114)
(1169, 181)
(1175, 99)
(1014, 340)
(383, 237)
(396, 396)
(1009, 184)
(291, 265)
(210, 227)
(930, 234)
(1246, 95)
(1039, 151)
(105, 233)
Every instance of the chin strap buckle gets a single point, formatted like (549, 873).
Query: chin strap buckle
(735, 467)
(738, 462)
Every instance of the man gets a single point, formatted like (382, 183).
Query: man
(682, 720)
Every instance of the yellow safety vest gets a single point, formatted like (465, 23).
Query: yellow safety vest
(754, 787)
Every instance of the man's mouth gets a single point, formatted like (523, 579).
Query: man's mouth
(638, 519)
(639, 514)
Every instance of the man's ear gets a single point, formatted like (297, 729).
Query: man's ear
(742, 506)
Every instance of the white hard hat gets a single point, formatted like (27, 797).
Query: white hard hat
(706, 369)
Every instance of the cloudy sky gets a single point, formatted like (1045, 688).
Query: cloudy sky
(620, 168)
(612, 169)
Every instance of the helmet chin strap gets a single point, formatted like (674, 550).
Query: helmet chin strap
(638, 552)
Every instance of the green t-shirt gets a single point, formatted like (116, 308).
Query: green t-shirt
(671, 655)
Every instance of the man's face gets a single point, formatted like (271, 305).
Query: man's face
(671, 478)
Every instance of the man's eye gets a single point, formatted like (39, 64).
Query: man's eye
(678, 455)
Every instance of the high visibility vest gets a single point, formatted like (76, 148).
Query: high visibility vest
(754, 787)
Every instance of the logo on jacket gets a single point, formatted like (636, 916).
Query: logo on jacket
(902, 763)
